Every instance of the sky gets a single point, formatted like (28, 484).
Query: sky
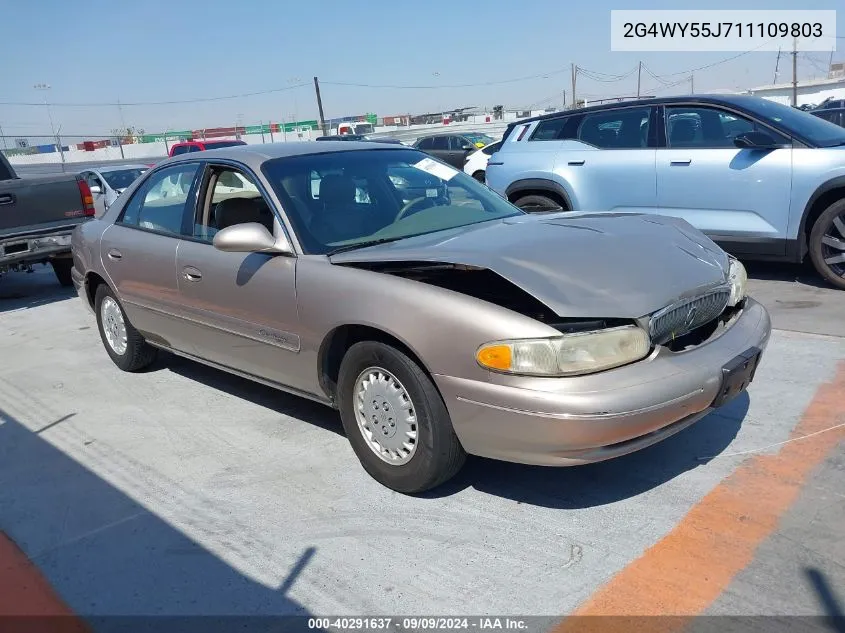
(109, 51)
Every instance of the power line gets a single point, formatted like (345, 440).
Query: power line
(471, 85)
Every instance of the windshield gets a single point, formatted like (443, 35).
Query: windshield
(364, 128)
(121, 179)
(219, 144)
(816, 130)
(349, 198)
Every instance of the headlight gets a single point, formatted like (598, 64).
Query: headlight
(738, 279)
(566, 355)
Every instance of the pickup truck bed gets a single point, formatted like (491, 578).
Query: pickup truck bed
(37, 217)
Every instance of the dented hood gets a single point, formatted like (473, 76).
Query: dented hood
(607, 265)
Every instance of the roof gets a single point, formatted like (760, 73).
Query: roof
(257, 154)
(801, 84)
(715, 99)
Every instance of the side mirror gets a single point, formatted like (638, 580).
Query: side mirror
(250, 237)
(468, 148)
(95, 189)
(755, 140)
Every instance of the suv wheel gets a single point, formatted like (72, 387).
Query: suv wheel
(827, 244)
(537, 204)
(61, 268)
(395, 419)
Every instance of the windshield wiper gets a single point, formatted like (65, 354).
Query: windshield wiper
(357, 245)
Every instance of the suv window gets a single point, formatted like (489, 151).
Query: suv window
(180, 149)
(626, 128)
(708, 128)
(160, 203)
(440, 142)
(492, 148)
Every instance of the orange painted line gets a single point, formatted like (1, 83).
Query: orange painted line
(688, 569)
(27, 601)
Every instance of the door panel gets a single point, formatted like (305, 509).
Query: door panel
(727, 192)
(142, 268)
(243, 307)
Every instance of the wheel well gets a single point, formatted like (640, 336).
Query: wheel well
(339, 340)
(92, 282)
(521, 193)
(823, 202)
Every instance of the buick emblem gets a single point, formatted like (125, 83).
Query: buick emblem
(690, 319)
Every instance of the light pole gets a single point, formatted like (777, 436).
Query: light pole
(295, 81)
(436, 74)
(45, 87)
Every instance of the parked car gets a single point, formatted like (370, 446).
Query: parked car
(834, 115)
(764, 180)
(476, 163)
(359, 137)
(37, 216)
(435, 330)
(187, 147)
(831, 104)
(108, 182)
(452, 148)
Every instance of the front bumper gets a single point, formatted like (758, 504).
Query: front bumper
(570, 421)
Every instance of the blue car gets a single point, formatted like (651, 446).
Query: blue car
(763, 180)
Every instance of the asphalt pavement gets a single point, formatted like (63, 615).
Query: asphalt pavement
(183, 490)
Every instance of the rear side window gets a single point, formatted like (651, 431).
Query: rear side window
(160, 203)
(492, 148)
(559, 129)
(180, 149)
(5, 173)
(617, 129)
(426, 143)
(440, 142)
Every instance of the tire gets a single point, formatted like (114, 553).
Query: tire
(437, 455)
(830, 223)
(137, 354)
(61, 267)
(537, 204)
(479, 176)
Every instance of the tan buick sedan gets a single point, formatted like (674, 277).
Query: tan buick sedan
(438, 318)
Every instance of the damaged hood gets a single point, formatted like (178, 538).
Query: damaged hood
(608, 265)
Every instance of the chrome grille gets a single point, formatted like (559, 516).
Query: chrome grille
(679, 318)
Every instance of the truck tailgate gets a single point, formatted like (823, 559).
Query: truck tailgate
(40, 204)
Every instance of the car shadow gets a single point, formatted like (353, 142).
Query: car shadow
(604, 482)
(803, 273)
(287, 404)
(119, 565)
(20, 290)
(830, 602)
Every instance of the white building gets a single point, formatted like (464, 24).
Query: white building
(812, 91)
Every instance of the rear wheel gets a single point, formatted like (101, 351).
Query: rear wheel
(396, 420)
(536, 203)
(827, 244)
(61, 268)
(479, 176)
(124, 344)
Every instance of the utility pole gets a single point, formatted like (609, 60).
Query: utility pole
(574, 75)
(564, 98)
(320, 106)
(795, 73)
(639, 75)
(830, 62)
(777, 64)
(4, 138)
(692, 83)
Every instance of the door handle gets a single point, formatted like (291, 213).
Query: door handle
(115, 254)
(575, 163)
(680, 161)
(191, 274)
(7, 198)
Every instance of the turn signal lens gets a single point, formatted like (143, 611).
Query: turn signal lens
(739, 280)
(567, 355)
(495, 357)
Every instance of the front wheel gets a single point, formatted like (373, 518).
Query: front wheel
(537, 204)
(396, 420)
(827, 244)
(479, 176)
(123, 343)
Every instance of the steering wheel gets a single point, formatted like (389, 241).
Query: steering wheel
(408, 206)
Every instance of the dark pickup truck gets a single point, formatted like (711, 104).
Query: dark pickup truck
(37, 217)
